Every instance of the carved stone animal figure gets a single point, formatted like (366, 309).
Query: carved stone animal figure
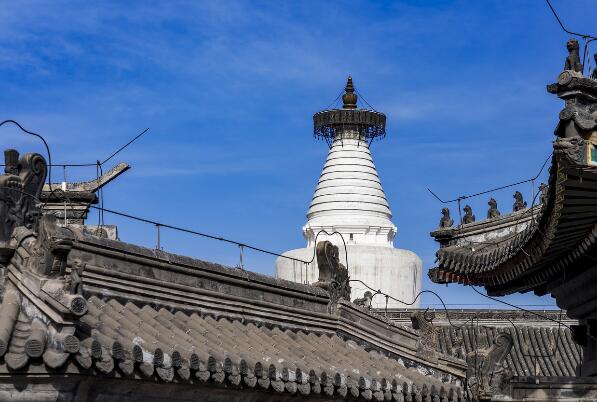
(486, 370)
(422, 321)
(333, 276)
(493, 211)
(364, 301)
(519, 203)
(573, 59)
(468, 215)
(446, 221)
(544, 193)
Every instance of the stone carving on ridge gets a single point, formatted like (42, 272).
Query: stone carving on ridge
(468, 215)
(54, 245)
(543, 188)
(446, 221)
(519, 202)
(573, 60)
(574, 149)
(20, 188)
(579, 116)
(51, 251)
(493, 211)
(364, 301)
(422, 321)
(576, 119)
(486, 373)
(333, 276)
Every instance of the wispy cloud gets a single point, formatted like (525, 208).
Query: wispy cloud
(228, 89)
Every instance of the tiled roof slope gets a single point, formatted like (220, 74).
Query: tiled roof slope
(535, 352)
(241, 354)
(540, 347)
(88, 306)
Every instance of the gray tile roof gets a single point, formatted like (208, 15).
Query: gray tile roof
(122, 339)
(560, 235)
(536, 351)
(79, 305)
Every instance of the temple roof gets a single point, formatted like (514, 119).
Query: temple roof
(553, 240)
(77, 304)
(540, 347)
(561, 232)
(535, 351)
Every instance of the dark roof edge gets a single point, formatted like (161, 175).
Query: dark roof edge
(445, 235)
(114, 270)
(95, 244)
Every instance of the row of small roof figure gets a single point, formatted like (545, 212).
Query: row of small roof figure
(493, 212)
(573, 60)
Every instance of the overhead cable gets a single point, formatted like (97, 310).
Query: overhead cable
(463, 197)
(555, 14)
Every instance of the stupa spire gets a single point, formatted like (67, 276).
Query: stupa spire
(349, 98)
(349, 208)
(349, 196)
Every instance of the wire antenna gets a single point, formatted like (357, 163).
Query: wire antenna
(124, 146)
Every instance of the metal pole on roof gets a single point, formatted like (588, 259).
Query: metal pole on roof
(64, 189)
(157, 226)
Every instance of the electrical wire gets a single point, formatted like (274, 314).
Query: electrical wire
(194, 232)
(586, 37)
(335, 100)
(164, 225)
(42, 139)
(90, 164)
(124, 146)
(378, 291)
(555, 14)
(464, 197)
(364, 100)
(559, 322)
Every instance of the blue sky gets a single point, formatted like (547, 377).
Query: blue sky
(229, 89)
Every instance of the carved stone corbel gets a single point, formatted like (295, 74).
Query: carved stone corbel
(333, 276)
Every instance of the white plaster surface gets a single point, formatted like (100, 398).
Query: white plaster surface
(396, 272)
(349, 199)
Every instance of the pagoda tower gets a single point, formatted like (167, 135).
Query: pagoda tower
(349, 206)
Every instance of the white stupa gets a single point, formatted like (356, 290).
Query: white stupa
(350, 200)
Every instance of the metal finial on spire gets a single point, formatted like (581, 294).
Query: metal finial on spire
(368, 123)
(349, 98)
